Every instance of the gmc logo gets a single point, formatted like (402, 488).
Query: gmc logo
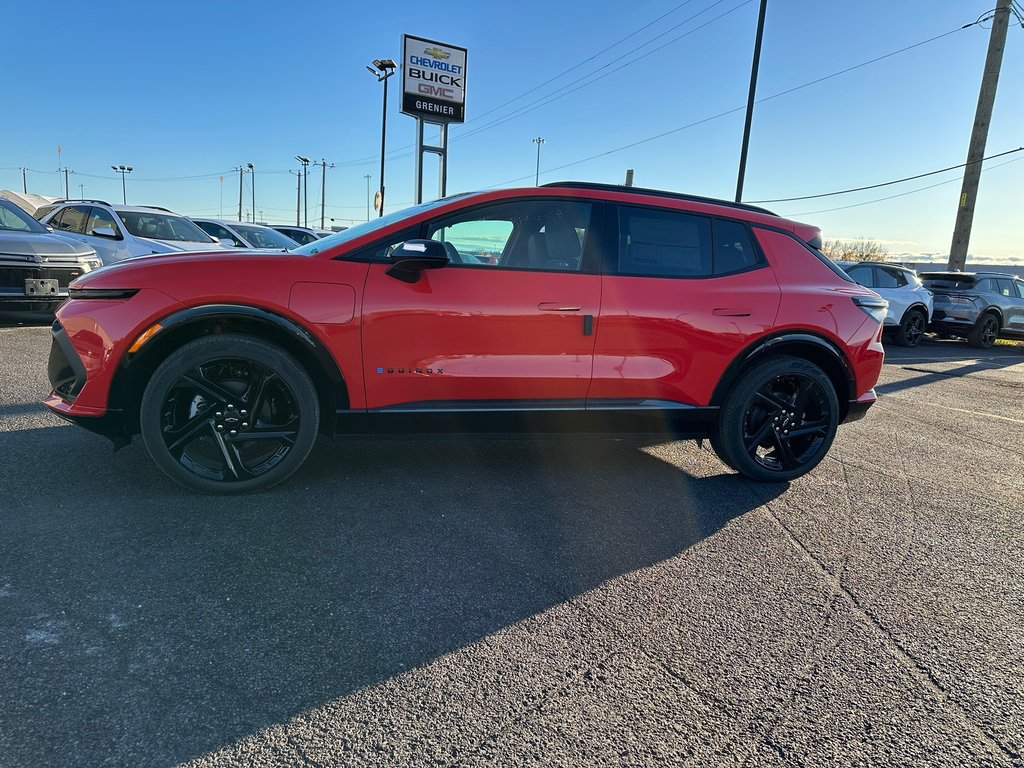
(436, 91)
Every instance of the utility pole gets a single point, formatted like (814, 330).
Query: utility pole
(24, 180)
(67, 194)
(629, 177)
(222, 197)
(298, 196)
(240, 170)
(536, 179)
(979, 136)
(81, 191)
(750, 100)
(368, 177)
(305, 188)
(324, 165)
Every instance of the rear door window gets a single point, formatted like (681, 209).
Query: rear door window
(1005, 288)
(74, 219)
(863, 275)
(656, 243)
(886, 279)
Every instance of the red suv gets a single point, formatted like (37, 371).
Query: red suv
(572, 307)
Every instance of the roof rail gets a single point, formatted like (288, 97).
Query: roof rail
(78, 200)
(155, 208)
(657, 193)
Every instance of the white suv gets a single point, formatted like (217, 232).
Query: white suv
(119, 232)
(910, 303)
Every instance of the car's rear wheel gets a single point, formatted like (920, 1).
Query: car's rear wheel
(229, 414)
(911, 328)
(779, 421)
(985, 331)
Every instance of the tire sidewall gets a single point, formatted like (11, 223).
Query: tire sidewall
(732, 415)
(234, 346)
(901, 333)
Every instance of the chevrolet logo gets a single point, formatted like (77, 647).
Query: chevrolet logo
(436, 53)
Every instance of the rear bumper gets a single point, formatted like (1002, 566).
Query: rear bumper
(858, 408)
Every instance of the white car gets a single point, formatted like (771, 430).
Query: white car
(910, 303)
(119, 232)
(236, 234)
(303, 235)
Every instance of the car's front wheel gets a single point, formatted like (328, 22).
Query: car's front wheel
(229, 414)
(911, 328)
(985, 332)
(779, 421)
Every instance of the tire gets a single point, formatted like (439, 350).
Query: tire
(911, 328)
(196, 424)
(985, 332)
(779, 420)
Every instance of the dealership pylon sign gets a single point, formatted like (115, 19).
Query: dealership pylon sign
(433, 80)
(433, 92)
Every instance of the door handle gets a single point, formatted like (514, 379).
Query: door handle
(554, 306)
(730, 312)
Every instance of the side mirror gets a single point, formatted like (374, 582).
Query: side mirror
(104, 232)
(413, 256)
(227, 242)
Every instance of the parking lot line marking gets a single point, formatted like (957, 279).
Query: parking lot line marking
(959, 410)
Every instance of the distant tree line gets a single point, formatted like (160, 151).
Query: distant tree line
(855, 250)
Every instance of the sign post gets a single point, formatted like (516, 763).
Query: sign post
(433, 92)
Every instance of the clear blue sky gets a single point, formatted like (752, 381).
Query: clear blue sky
(195, 88)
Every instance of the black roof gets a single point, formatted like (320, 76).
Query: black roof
(657, 193)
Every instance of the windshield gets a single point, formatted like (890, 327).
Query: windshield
(354, 233)
(14, 219)
(264, 237)
(162, 226)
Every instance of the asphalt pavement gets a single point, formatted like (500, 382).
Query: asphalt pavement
(514, 602)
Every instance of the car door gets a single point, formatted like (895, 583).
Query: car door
(508, 324)
(109, 247)
(891, 285)
(1010, 303)
(681, 294)
(1017, 322)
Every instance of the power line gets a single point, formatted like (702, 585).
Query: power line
(892, 197)
(740, 109)
(887, 183)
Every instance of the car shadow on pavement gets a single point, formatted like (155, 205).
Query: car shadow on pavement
(145, 625)
(935, 360)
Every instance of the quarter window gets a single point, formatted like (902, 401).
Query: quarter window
(658, 243)
(734, 252)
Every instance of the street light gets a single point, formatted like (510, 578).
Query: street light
(252, 185)
(382, 69)
(122, 169)
(305, 188)
(538, 141)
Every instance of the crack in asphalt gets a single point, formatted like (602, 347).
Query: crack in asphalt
(917, 669)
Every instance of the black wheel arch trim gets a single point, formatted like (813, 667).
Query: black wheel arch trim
(134, 369)
(792, 340)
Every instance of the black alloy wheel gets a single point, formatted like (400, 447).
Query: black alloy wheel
(780, 421)
(985, 333)
(911, 329)
(229, 414)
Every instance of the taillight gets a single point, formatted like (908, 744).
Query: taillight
(874, 306)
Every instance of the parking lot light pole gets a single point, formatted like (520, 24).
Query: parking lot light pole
(382, 69)
(368, 177)
(305, 189)
(324, 165)
(122, 169)
(536, 179)
(252, 185)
